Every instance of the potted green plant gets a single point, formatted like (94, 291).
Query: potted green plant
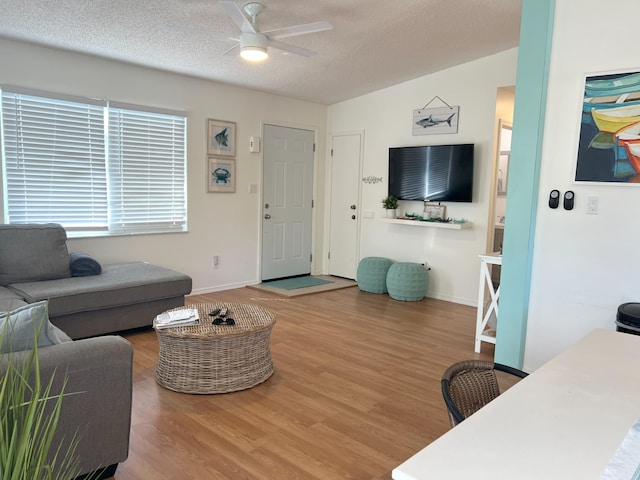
(390, 204)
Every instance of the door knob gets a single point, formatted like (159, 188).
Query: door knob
(267, 216)
(352, 207)
(353, 217)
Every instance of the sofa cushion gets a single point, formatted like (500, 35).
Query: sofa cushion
(10, 300)
(7, 294)
(117, 285)
(30, 253)
(18, 328)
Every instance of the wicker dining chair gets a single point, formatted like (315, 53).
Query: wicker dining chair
(469, 385)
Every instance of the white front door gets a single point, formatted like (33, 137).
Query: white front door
(287, 203)
(345, 204)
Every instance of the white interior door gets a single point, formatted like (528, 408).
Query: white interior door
(345, 204)
(287, 201)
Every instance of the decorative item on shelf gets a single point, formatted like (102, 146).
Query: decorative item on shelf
(221, 138)
(429, 121)
(372, 179)
(432, 211)
(390, 204)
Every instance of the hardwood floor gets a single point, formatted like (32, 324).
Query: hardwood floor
(355, 392)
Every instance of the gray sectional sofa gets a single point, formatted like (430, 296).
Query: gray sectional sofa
(35, 265)
(98, 410)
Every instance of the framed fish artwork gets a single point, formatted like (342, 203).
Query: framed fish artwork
(221, 138)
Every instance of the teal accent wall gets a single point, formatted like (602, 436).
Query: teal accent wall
(534, 52)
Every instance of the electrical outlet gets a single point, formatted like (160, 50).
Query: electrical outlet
(593, 204)
(216, 262)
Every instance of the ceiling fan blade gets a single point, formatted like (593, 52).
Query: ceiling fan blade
(232, 49)
(239, 18)
(291, 48)
(298, 30)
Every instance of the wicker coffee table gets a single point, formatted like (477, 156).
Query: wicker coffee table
(208, 358)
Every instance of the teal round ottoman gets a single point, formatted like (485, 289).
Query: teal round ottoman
(407, 281)
(372, 274)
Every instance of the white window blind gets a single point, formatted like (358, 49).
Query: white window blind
(146, 171)
(93, 166)
(54, 161)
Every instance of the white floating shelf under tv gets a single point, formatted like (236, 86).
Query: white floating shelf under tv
(419, 223)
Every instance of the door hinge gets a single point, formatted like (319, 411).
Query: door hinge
(311, 257)
(329, 255)
(332, 152)
(313, 204)
(314, 147)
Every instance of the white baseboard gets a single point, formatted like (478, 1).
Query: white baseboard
(462, 301)
(221, 288)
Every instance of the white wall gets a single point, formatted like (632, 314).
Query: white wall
(386, 118)
(584, 266)
(227, 225)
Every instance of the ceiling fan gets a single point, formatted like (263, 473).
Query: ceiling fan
(253, 43)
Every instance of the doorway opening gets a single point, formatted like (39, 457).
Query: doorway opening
(498, 204)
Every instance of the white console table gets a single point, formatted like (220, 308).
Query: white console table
(483, 314)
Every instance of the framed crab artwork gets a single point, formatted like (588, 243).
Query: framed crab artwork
(221, 175)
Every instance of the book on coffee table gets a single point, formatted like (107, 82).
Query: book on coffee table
(177, 318)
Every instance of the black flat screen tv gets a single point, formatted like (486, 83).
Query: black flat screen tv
(434, 173)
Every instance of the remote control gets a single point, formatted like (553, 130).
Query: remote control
(215, 312)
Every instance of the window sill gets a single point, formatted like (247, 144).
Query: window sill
(94, 234)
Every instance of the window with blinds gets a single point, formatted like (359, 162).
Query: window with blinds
(92, 165)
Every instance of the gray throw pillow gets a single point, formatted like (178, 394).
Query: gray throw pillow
(19, 327)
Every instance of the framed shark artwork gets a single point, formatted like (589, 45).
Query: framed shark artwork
(432, 121)
(221, 138)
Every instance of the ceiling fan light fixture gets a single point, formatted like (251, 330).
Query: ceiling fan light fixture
(254, 54)
(253, 47)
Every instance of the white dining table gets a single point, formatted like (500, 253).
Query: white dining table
(566, 420)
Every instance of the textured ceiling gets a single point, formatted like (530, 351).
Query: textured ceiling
(373, 44)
